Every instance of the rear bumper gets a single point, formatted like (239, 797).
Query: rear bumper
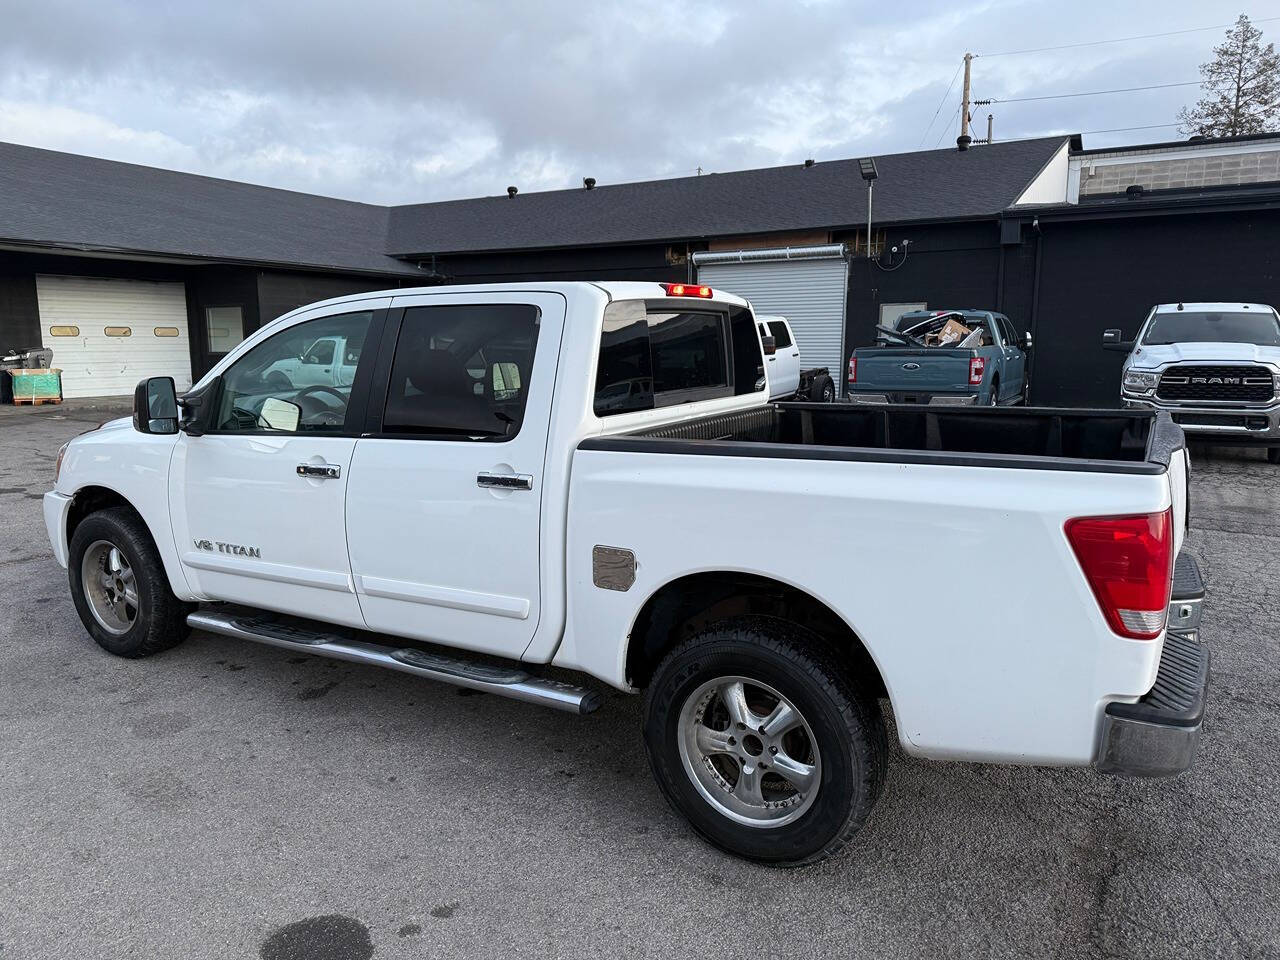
(1159, 734)
(938, 399)
(1225, 422)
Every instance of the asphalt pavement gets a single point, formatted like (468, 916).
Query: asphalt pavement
(224, 800)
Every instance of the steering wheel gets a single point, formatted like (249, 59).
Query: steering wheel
(316, 412)
(321, 388)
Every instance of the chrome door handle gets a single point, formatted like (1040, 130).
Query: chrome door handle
(319, 471)
(505, 481)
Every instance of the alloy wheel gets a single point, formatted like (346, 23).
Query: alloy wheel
(110, 589)
(749, 752)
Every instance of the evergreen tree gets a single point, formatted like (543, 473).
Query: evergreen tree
(1241, 85)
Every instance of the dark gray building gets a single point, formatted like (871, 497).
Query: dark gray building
(126, 270)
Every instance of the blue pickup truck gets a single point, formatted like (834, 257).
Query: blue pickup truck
(943, 357)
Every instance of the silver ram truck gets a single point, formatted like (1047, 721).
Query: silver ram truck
(1215, 367)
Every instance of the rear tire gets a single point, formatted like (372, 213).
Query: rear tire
(994, 399)
(1273, 454)
(822, 390)
(119, 586)
(794, 782)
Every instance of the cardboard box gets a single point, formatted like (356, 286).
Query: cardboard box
(951, 331)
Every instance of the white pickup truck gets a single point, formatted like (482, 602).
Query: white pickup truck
(502, 513)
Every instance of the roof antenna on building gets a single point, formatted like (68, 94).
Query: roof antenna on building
(512, 191)
(588, 183)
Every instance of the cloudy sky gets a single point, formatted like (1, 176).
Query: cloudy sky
(396, 102)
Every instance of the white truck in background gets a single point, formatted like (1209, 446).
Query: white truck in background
(782, 365)
(1214, 367)
(481, 505)
(327, 361)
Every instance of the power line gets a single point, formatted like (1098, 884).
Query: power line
(1096, 43)
(943, 132)
(941, 102)
(1085, 133)
(1091, 93)
(1150, 126)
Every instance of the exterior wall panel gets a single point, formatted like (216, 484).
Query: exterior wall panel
(1100, 274)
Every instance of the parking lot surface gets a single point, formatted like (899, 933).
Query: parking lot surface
(229, 800)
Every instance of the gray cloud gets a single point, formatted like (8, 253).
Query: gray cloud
(400, 102)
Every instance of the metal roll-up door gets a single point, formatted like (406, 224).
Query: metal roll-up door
(106, 335)
(807, 285)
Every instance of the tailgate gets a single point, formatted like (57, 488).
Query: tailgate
(913, 369)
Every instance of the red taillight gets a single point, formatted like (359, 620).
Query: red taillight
(686, 290)
(853, 369)
(1128, 562)
(976, 366)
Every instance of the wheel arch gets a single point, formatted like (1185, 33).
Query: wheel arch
(94, 498)
(683, 605)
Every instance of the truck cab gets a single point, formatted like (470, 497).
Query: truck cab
(1215, 367)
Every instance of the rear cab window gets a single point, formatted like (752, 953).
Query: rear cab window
(659, 353)
(781, 336)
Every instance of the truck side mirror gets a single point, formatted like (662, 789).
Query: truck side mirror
(1114, 340)
(197, 408)
(155, 406)
(770, 345)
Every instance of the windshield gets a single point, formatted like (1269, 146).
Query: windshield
(1235, 326)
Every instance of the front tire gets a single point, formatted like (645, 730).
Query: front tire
(765, 745)
(1273, 454)
(119, 586)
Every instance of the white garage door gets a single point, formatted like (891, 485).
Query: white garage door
(807, 285)
(106, 335)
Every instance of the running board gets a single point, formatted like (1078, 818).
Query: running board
(504, 681)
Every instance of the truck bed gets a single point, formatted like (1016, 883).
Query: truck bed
(1112, 441)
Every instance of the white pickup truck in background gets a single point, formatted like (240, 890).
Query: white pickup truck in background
(782, 365)
(483, 504)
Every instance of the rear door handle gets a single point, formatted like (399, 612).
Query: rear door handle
(505, 481)
(320, 471)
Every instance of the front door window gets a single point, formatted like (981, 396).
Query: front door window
(296, 367)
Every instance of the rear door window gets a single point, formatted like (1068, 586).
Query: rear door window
(461, 371)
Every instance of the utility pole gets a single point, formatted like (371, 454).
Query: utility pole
(990, 139)
(965, 139)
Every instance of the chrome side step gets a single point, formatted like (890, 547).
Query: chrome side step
(504, 681)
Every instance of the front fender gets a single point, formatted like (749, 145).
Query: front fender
(130, 467)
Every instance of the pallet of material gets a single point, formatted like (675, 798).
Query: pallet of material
(35, 386)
